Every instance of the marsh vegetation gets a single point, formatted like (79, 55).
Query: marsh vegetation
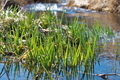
(43, 45)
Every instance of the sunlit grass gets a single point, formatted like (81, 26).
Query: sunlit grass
(42, 41)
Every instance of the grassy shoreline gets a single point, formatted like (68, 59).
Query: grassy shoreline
(43, 42)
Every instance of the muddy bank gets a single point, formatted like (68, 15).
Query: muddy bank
(99, 5)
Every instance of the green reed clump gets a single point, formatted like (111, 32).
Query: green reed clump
(42, 41)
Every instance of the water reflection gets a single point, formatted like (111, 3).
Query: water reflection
(16, 71)
(11, 69)
(106, 19)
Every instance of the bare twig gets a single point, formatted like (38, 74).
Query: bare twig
(4, 4)
(103, 76)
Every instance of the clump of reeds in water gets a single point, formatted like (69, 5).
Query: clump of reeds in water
(42, 41)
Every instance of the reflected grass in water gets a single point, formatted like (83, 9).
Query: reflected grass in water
(41, 43)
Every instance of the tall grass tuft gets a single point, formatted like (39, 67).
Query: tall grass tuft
(42, 42)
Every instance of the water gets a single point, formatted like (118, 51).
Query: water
(18, 72)
(108, 62)
(106, 19)
(90, 16)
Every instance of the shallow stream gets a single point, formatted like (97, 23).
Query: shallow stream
(109, 58)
